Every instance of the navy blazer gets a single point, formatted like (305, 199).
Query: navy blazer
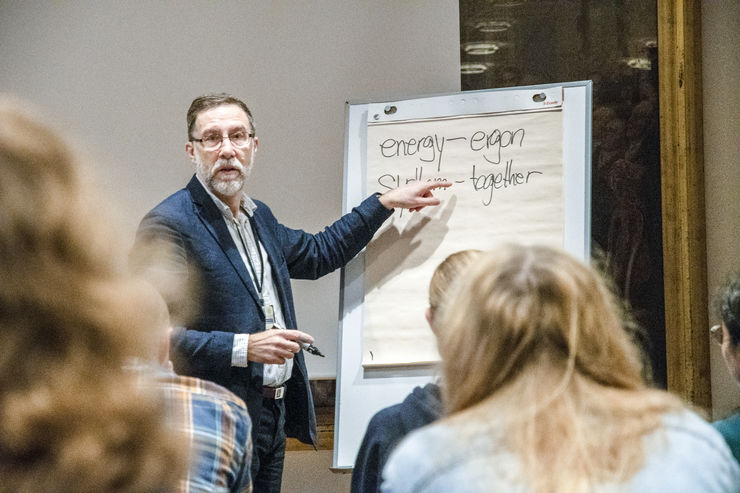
(227, 301)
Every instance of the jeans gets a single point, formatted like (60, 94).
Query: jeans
(269, 447)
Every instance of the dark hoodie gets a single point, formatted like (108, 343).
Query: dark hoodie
(387, 428)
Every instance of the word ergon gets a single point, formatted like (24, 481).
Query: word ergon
(430, 148)
(494, 141)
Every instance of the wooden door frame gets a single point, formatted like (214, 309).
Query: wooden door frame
(682, 189)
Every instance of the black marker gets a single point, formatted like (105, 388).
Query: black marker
(310, 348)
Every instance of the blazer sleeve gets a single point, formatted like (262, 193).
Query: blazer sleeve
(310, 256)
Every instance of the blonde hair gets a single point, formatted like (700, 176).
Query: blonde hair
(533, 340)
(71, 419)
(446, 272)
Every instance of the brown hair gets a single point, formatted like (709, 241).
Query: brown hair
(727, 306)
(534, 338)
(208, 101)
(71, 419)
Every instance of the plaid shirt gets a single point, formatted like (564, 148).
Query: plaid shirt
(218, 426)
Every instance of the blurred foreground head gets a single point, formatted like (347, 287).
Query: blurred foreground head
(71, 419)
(529, 308)
(533, 342)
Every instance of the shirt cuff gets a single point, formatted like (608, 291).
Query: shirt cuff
(239, 350)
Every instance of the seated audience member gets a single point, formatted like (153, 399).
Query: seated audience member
(543, 393)
(420, 408)
(71, 418)
(214, 421)
(728, 335)
(217, 427)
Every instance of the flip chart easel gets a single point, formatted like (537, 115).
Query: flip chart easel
(518, 155)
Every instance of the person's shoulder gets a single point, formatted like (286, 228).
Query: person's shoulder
(176, 213)
(686, 425)
(386, 417)
(385, 429)
(687, 431)
(729, 428)
(687, 454)
(422, 441)
(439, 458)
(218, 392)
(731, 424)
(173, 205)
(427, 395)
(201, 389)
(262, 209)
(425, 401)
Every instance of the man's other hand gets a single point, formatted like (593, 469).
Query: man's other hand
(275, 346)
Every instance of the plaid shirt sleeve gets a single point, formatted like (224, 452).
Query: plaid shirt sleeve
(218, 427)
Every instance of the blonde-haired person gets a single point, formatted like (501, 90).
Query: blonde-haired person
(421, 407)
(71, 418)
(543, 392)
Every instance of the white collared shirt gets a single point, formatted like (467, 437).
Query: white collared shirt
(274, 375)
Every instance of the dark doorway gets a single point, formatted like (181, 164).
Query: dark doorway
(613, 43)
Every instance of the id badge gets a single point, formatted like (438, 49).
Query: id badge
(269, 316)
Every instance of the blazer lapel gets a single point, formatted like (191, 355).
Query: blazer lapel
(279, 276)
(213, 221)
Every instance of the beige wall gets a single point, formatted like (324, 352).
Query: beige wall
(721, 73)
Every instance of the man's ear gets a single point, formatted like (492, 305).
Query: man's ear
(190, 151)
(429, 315)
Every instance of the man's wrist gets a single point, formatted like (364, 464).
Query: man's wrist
(384, 201)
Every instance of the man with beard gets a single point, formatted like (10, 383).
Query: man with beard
(242, 260)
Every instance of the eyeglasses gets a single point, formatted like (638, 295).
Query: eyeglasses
(716, 333)
(211, 142)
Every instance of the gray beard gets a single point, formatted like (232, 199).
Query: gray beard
(226, 188)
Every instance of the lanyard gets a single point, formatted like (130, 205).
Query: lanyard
(258, 283)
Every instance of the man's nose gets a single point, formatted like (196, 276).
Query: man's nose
(227, 149)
